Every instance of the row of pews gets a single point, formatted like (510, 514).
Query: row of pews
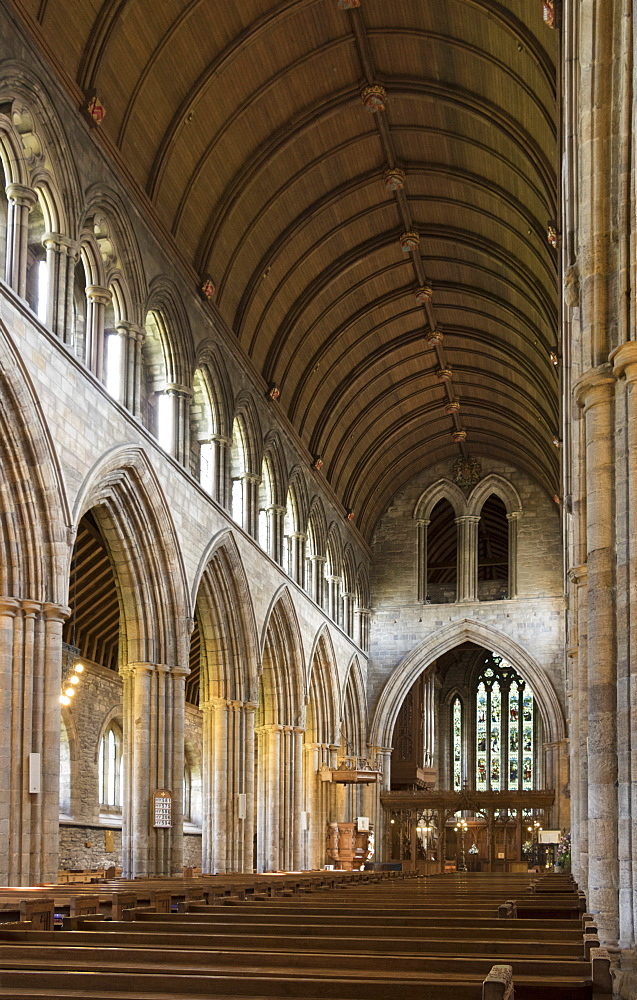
(353, 936)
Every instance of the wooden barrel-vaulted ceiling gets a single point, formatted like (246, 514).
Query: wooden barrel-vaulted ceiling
(244, 124)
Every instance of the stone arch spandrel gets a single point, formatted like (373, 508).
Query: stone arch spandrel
(467, 630)
(499, 486)
(443, 489)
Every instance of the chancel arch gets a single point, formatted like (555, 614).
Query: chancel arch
(132, 515)
(280, 728)
(228, 684)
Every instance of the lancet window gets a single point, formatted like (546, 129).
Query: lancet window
(110, 768)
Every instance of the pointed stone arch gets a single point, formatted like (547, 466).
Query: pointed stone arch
(132, 512)
(280, 731)
(354, 714)
(501, 487)
(466, 630)
(228, 685)
(443, 489)
(320, 746)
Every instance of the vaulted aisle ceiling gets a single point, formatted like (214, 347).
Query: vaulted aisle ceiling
(244, 124)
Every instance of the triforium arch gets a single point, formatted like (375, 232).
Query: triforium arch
(315, 556)
(272, 489)
(427, 652)
(505, 491)
(280, 732)
(228, 693)
(246, 451)
(211, 421)
(295, 525)
(127, 502)
(168, 358)
(33, 590)
(321, 746)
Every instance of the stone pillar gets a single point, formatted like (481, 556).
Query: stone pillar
(372, 806)
(61, 255)
(182, 397)
(625, 362)
(421, 555)
(348, 612)
(30, 685)
(318, 579)
(97, 298)
(228, 774)
(250, 483)
(596, 395)
(296, 569)
(275, 515)
(579, 730)
(361, 627)
(154, 704)
(280, 787)
(132, 338)
(467, 558)
(513, 518)
(221, 454)
(318, 795)
(334, 608)
(20, 201)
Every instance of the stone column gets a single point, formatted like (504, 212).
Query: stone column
(334, 609)
(596, 396)
(625, 362)
(228, 773)
(280, 794)
(153, 702)
(361, 627)
(513, 519)
(467, 558)
(296, 568)
(220, 459)
(132, 338)
(182, 396)
(275, 515)
(579, 730)
(348, 612)
(250, 483)
(61, 255)
(20, 201)
(372, 806)
(268, 793)
(318, 579)
(421, 556)
(97, 298)
(30, 684)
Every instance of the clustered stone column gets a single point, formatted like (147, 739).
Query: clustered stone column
(61, 256)
(30, 678)
(297, 544)
(228, 786)
(321, 801)
(280, 769)
(275, 514)
(153, 708)
(181, 396)
(250, 483)
(467, 558)
(97, 299)
(20, 201)
(131, 365)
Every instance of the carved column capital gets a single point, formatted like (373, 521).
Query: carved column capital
(21, 195)
(98, 294)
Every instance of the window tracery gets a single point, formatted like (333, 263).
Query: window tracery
(505, 727)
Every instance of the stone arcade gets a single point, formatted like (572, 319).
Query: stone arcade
(309, 467)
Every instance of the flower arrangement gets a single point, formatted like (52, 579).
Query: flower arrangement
(564, 852)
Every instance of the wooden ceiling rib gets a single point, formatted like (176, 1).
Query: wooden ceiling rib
(244, 123)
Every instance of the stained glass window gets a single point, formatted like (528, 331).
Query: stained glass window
(457, 745)
(481, 729)
(505, 721)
